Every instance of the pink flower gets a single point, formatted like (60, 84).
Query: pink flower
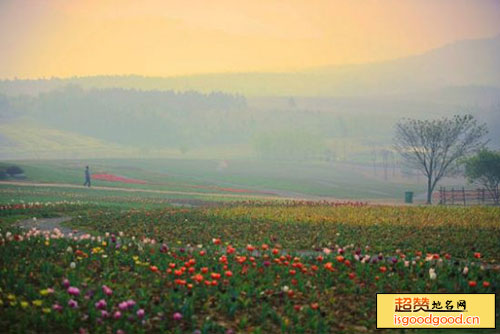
(65, 283)
(73, 291)
(107, 291)
(177, 316)
(101, 304)
(120, 331)
(117, 315)
(123, 306)
(140, 313)
(57, 307)
(131, 303)
(72, 303)
(104, 314)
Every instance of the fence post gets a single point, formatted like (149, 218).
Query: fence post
(444, 195)
(452, 196)
(482, 190)
(463, 193)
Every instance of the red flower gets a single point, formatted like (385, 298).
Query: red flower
(477, 255)
(486, 284)
(153, 269)
(314, 306)
(228, 273)
(352, 275)
(472, 284)
(340, 258)
(383, 269)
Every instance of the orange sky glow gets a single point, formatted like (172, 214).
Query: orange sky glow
(46, 38)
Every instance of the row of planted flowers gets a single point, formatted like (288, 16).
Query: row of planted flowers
(122, 284)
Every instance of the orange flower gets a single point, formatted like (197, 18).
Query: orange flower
(314, 306)
(265, 247)
(328, 266)
(215, 275)
(383, 269)
(198, 278)
(340, 258)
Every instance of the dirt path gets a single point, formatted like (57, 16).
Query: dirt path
(48, 225)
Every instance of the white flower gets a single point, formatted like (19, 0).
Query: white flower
(432, 274)
(72, 265)
(326, 251)
(285, 288)
(466, 270)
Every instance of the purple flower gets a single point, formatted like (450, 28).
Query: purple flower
(177, 316)
(130, 303)
(164, 248)
(72, 303)
(140, 313)
(267, 263)
(65, 283)
(101, 304)
(104, 314)
(117, 315)
(73, 291)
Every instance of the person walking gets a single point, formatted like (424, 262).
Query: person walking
(87, 177)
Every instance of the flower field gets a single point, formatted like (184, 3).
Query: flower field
(240, 268)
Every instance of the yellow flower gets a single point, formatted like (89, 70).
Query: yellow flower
(44, 292)
(47, 243)
(97, 250)
(104, 243)
(24, 304)
(37, 302)
(10, 296)
(13, 303)
(46, 310)
(135, 258)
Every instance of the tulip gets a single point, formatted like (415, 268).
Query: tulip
(177, 316)
(117, 315)
(107, 291)
(72, 303)
(73, 291)
(140, 313)
(101, 304)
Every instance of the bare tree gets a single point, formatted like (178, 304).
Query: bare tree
(435, 146)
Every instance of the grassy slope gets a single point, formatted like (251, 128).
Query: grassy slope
(295, 179)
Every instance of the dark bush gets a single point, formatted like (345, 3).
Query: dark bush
(14, 170)
(3, 175)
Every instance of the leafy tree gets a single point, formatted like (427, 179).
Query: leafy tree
(484, 169)
(434, 147)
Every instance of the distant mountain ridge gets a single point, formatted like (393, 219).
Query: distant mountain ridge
(463, 63)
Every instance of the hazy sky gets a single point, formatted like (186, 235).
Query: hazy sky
(44, 38)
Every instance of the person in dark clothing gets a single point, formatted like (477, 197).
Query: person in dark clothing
(87, 177)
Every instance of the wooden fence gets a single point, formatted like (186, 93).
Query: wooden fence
(462, 196)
